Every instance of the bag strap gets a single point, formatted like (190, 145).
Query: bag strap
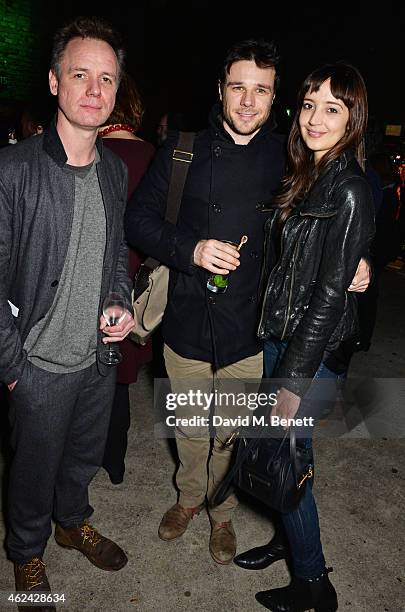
(182, 157)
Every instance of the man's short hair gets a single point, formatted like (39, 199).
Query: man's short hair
(85, 27)
(262, 52)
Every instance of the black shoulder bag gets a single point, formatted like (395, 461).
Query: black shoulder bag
(273, 470)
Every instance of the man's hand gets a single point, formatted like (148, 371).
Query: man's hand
(12, 385)
(361, 279)
(287, 404)
(117, 333)
(216, 256)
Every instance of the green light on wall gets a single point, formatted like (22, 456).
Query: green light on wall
(19, 48)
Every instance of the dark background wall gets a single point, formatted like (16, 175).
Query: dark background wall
(174, 47)
(20, 44)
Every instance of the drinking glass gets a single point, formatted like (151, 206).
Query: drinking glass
(113, 312)
(218, 283)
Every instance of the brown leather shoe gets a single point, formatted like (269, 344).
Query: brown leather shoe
(222, 542)
(100, 551)
(31, 577)
(175, 521)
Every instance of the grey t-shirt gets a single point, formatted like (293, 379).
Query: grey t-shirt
(65, 340)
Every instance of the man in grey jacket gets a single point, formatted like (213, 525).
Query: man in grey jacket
(62, 200)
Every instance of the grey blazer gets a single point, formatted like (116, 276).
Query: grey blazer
(36, 212)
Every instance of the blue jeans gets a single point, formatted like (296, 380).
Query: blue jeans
(301, 525)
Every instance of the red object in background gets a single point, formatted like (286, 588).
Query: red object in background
(137, 155)
(397, 214)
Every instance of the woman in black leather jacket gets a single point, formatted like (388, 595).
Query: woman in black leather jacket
(321, 225)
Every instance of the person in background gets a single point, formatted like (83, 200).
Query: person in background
(161, 130)
(386, 244)
(383, 180)
(172, 121)
(35, 117)
(12, 136)
(324, 220)
(119, 135)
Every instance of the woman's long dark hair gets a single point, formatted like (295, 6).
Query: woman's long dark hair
(346, 84)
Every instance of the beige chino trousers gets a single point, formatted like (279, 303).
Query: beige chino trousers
(201, 468)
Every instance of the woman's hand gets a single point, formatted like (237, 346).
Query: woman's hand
(362, 277)
(287, 404)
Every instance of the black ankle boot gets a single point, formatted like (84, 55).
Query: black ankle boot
(301, 595)
(262, 556)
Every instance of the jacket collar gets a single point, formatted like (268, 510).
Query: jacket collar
(53, 145)
(318, 201)
(216, 126)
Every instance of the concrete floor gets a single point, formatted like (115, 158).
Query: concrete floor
(359, 490)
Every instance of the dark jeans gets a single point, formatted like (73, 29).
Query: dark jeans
(302, 525)
(58, 431)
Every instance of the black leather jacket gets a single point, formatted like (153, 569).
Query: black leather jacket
(305, 279)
